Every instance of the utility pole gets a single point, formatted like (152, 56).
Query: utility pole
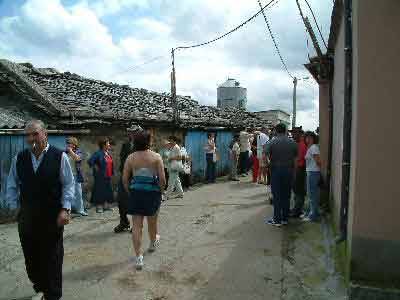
(175, 112)
(294, 103)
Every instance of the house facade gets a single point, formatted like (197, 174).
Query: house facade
(274, 116)
(358, 82)
(88, 109)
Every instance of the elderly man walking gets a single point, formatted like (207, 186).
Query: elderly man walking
(283, 152)
(41, 180)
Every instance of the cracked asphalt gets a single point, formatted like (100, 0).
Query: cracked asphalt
(214, 245)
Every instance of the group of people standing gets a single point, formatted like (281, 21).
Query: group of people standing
(295, 165)
(247, 152)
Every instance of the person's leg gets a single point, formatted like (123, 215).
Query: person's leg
(171, 184)
(152, 227)
(314, 195)
(79, 199)
(276, 194)
(31, 255)
(213, 171)
(256, 169)
(299, 190)
(178, 186)
(286, 193)
(137, 234)
(52, 261)
(122, 198)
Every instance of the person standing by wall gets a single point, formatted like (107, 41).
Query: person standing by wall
(244, 139)
(299, 187)
(175, 189)
(42, 182)
(283, 153)
(144, 179)
(75, 160)
(262, 140)
(211, 152)
(254, 160)
(313, 168)
(234, 155)
(185, 175)
(103, 169)
(122, 196)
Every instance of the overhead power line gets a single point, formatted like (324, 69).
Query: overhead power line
(154, 59)
(316, 23)
(274, 41)
(229, 32)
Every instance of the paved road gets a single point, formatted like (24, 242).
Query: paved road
(214, 246)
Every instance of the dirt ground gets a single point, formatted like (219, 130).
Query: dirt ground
(214, 245)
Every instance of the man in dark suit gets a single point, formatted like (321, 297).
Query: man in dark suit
(42, 182)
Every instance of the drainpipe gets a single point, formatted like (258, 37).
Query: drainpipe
(347, 120)
(330, 111)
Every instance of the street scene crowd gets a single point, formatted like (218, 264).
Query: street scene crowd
(284, 163)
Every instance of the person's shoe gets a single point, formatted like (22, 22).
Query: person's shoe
(121, 228)
(108, 209)
(176, 196)
(99, 210)
(284, 223)
(84, 214)
(294, 214)
(306, 219)
(139, 262)
(273, 223)
(154, 245)
(38, 296)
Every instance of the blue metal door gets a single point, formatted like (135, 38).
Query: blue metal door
(195, 142)
(223, 139)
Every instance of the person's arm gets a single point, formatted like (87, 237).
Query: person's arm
(75, 155)
(67, 181)
(317, 159)
(161, 173)
(126, 174)
(68, 190)
(12, 191)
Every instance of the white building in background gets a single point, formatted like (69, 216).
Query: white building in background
(275, 116)
(231, 94)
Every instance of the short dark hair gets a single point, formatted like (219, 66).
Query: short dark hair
(173, 138)
(142, 140)
(313, 135)
(101, 142)
(280, 128)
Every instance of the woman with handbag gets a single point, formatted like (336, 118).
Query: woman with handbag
(174, 190)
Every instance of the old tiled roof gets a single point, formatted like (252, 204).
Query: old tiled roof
(11, 119)
(78, 100)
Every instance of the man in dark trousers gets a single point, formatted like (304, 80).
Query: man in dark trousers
(126, 149)
(42, 182)
(283, 152)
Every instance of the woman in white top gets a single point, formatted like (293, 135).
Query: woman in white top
(313, 164)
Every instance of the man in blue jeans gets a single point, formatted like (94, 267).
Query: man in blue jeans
(283, 153)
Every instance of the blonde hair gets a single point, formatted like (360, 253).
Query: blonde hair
(73, 141)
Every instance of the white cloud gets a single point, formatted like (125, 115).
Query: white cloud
(75, 38)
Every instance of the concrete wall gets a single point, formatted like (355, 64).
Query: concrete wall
(338, 111)
(324, 125)
(374, 193)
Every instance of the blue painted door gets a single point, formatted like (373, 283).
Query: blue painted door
(223, 139)
(195, 142)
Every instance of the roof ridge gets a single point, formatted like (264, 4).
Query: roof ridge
(46, 102)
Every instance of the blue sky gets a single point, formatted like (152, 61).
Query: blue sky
(104, 39)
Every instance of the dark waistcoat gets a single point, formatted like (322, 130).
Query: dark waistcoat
(40, 192)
